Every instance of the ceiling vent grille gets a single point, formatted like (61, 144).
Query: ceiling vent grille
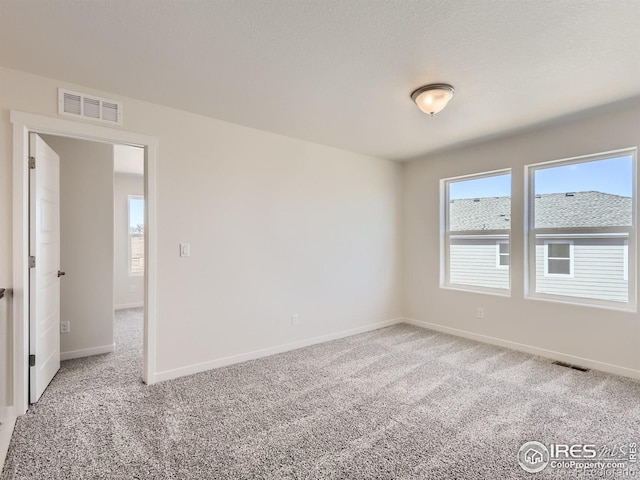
(90, 107)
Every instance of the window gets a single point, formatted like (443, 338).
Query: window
(477, 225)
(502, 254)
(582, 229)
(136, 235)
(558, 257)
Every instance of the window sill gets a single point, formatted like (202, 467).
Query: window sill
(480, 290)
(576, 302)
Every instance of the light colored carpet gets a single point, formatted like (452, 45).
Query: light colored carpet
(396, 403)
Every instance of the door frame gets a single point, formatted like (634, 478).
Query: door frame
(23, 124)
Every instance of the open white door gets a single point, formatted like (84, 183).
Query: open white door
(44, 251)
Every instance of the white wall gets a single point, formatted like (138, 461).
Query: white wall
(125, 185)
(86, 244)
(606, 336)
(6, 258)
(6, 352)
(276, 226)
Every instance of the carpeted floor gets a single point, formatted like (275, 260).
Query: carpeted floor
(396, 403)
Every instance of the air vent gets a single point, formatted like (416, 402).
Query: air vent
(568, 365)
(90, 107)
(111, 111)
(72, 104)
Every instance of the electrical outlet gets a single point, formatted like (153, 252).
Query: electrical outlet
(480, 313)
(65, 327)
(295, 319)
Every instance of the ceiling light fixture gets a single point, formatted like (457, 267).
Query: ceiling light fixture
(433, 98)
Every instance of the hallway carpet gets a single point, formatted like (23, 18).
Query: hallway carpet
(396, 403)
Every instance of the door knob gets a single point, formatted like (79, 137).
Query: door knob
(60, 273)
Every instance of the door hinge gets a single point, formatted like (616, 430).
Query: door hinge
(32, 360)
(32, 262)
(32, 162)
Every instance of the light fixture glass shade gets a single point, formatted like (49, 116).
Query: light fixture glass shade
(433, 98)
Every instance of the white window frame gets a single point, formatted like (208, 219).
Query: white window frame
(129, 198)
(532, 234)
(499, 255)
(547, 258)
(446, 236)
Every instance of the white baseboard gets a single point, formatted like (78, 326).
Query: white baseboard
(7, 422)
(87, 352)
(521, 347)
(265, 352)
(124, 306)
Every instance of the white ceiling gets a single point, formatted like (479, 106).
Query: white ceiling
(128, 159)
(340, 72)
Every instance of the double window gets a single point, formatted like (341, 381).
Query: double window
(580, 222)
(502, 254)
(558, 257)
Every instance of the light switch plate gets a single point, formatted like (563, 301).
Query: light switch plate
(185, 250)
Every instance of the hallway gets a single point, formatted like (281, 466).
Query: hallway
(53, 431)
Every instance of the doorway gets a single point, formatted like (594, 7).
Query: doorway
(23, 125)
(96, 302)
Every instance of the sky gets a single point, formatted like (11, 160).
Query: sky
(612, 175)
(136, 212)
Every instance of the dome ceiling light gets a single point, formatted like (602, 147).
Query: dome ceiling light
(433, 98)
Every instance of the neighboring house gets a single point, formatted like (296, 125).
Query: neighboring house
(586, 264)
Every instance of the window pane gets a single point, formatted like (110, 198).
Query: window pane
(595, 196)
(480, 206)
(136, 235)
(472, 262)
(599, 270)
(559, 250)
(588, 194)
(560, 266)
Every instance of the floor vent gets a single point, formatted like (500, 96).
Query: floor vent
(89, 107)
(568, 365)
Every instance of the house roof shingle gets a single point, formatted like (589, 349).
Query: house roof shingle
(553, 210)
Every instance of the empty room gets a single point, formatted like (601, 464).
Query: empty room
(319, 239)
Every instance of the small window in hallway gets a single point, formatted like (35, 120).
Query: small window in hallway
(136, 235)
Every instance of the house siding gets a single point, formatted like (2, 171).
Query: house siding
(473, 262)
(599, 267)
